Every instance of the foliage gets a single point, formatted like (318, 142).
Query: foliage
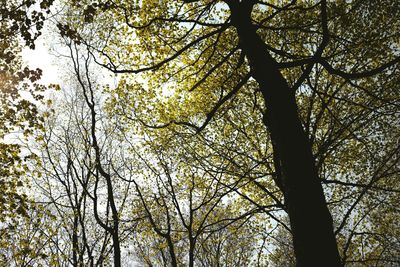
(19, 117)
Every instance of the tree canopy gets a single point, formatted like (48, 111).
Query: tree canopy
(225, 133)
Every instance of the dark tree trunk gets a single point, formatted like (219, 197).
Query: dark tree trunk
(114, 231)
(310, 220)
(75, 246)
(117, 249)
(174, 262)
(191, 249)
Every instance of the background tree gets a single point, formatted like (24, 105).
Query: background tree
(21, 244)
(83, 180)
(192, 212)
(192, 194)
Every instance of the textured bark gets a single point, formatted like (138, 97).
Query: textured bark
(310, 220)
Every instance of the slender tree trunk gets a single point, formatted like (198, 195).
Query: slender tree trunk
(174, 262)
(191, 250)
(117, 249)
(75, 246)
(310, 220)
(114, 230)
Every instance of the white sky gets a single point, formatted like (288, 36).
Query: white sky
(52, 58)
(41, 58)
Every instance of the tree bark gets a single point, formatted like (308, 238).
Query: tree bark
(311, 222)
(75, 246)
(174, 262)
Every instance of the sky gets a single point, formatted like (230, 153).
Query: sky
(56, 66)
(41, 58)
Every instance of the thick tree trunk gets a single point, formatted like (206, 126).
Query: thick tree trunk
(310, 219)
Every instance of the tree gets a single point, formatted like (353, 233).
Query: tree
(82, 180)
(195, 47)
(189, 200)
(68, 184)
(191, 212)
(24, 19)
(19, 117)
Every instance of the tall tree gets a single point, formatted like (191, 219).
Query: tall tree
(210, 49)
(24, 224)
